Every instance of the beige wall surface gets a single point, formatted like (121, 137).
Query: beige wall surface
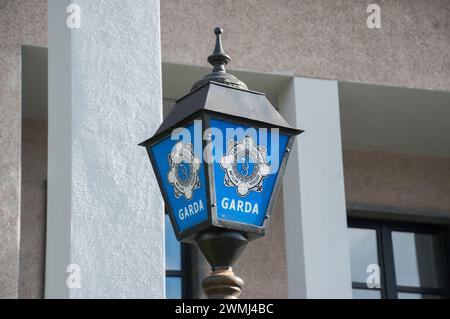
(262, 265)
(22, 22)
(398, 184)
(317, 38)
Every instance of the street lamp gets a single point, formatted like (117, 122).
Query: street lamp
(219, 158)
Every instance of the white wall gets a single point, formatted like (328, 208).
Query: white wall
(105, 212)
(313, 193)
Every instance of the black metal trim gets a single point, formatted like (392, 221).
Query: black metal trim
(422, 290)
(219, 84)
(209, 171)
(187, 284)
(174, 273)
(183, 123)
(446, 241)
(389, 266)
(363, 286)
(252, 123)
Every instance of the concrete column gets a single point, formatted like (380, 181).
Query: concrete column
(313, 193)
(105, 212)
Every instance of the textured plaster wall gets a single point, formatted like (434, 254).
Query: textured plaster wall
(317, 38)
(22, 22)
(33, 209)
(414, 185)
(114, 97)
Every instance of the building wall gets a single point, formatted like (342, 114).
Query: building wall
(262, 265)
(411, 186)
(317, 38)
(22, 22)
(324, 39)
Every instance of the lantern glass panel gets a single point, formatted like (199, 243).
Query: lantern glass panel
(179, 162)
(246, 164)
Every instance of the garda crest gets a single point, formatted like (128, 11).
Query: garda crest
(184, 169)
(245, 166)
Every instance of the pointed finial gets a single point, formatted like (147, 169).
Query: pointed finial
(218, 59)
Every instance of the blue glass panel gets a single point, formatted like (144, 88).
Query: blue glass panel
(246, 172)
(173, 248)
(366, 294)
(180, 164)
(417, 259)
(173, 288)
(363, 252)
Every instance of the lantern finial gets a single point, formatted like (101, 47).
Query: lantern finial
(218, 59)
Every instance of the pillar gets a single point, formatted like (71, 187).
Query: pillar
(105, 236)
(313, 193)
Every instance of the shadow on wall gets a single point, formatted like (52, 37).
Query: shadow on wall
(34, 172)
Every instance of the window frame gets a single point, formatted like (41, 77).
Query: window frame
(185, 274)
(389, 288)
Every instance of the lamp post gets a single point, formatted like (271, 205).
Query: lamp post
(219, 158)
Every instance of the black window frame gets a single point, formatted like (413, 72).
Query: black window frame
(185, 274)
(389, 288)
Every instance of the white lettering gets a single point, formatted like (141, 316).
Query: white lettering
(240, 206)
(191, 210)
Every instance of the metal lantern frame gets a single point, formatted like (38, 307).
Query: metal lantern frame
(194, 107)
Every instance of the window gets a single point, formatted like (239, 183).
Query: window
(177, 265)
(411, 260)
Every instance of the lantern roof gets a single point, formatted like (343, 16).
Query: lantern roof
(227, 100)
(222, 93)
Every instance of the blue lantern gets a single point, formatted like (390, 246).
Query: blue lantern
(219, 159)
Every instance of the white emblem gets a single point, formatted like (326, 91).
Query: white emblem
(184, 170)
(245, 166)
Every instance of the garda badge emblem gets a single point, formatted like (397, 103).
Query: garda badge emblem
(184, 169)
(245, 166)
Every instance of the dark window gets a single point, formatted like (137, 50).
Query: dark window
(412, 259)
(177, 265)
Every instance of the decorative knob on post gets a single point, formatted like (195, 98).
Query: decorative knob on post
(222, 249)
(218, 59)
(222, 284)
